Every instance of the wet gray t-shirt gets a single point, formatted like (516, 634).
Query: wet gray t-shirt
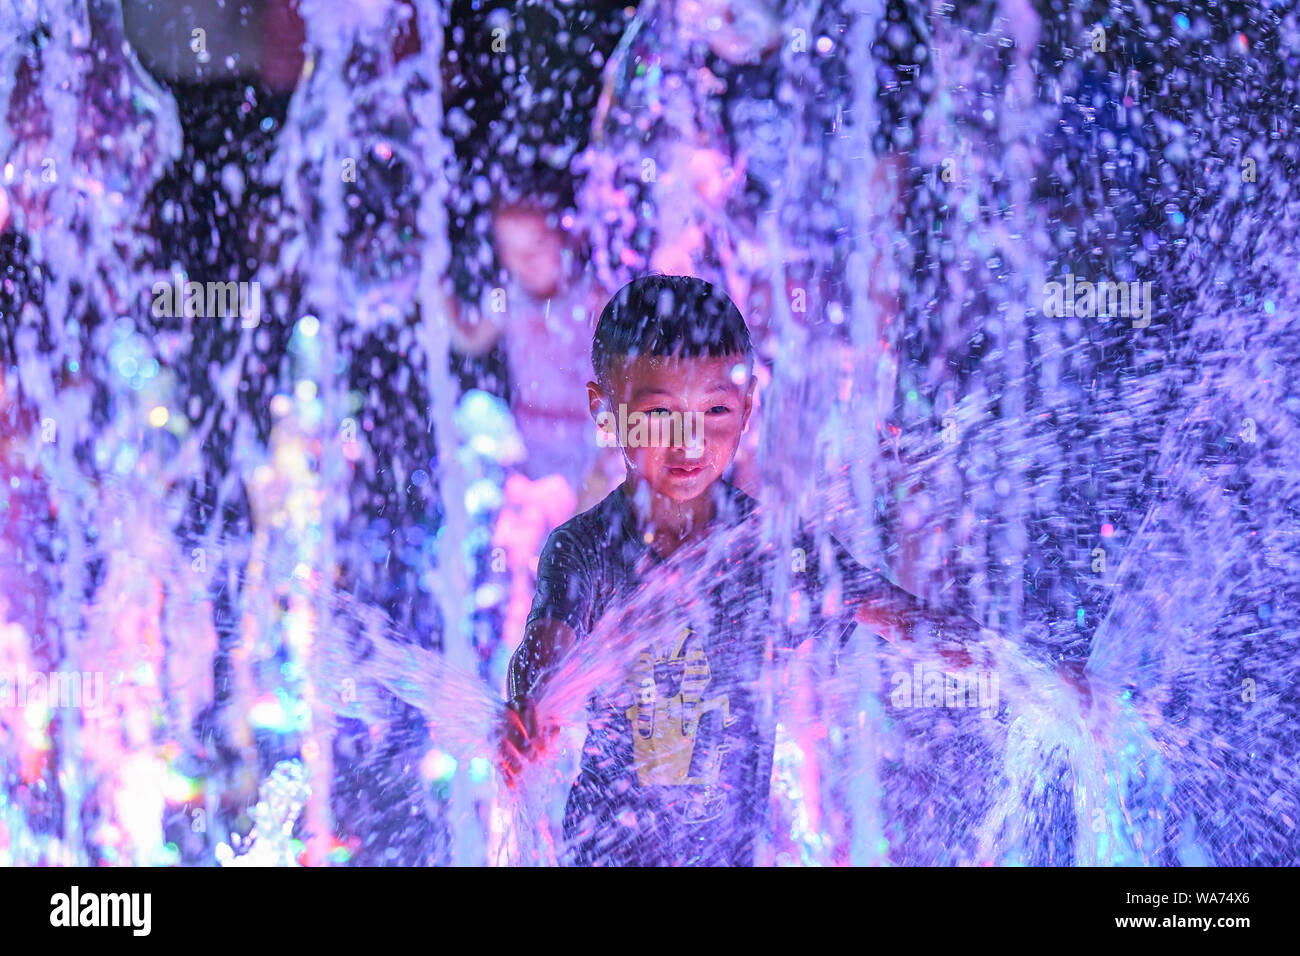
(676, 766)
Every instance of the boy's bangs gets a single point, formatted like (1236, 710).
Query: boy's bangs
(669, 317)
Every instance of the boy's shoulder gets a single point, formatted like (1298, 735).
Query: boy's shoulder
(601, 525)
(604, 513)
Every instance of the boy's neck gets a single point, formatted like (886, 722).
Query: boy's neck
(672, 522)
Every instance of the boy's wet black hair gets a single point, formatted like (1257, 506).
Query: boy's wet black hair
(668, 316)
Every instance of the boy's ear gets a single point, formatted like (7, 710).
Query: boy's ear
(749, 401)
(597, 400)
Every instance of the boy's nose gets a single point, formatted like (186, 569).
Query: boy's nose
(692, 436)
(689, 447)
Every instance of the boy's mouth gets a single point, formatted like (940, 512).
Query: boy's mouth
(685, 471)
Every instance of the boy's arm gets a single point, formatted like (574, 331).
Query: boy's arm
(557, 619)
(913, 625)
(560, 611)
(545, 644)
(868, 597)
(910, 624)
(905, 620)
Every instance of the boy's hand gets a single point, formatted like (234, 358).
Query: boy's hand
(522, 740)
(893, 627)
(1099, 701)
(1072, 673)
(881, 622)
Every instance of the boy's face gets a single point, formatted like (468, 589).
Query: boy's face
(737, 32)
(530, 250)
(717, 392)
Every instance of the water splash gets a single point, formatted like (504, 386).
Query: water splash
(1115, 491)
(270, 842)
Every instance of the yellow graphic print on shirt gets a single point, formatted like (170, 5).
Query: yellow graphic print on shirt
(664, 722)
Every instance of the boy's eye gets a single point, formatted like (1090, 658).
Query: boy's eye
(719, 410)
(658, 411)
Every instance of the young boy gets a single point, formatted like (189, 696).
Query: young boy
(676, 768)
(548, 308)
